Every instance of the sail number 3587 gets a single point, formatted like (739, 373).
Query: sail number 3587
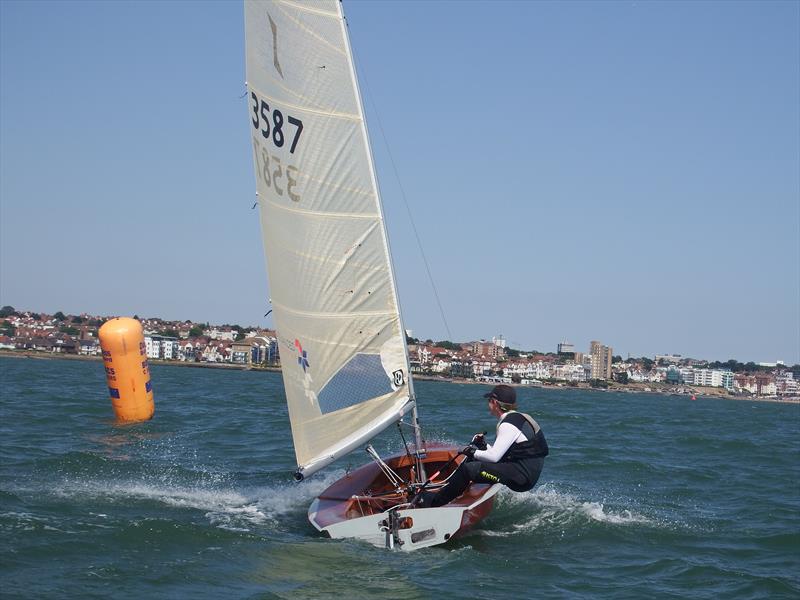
(270, 122)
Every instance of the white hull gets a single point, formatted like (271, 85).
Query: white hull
(431, 526)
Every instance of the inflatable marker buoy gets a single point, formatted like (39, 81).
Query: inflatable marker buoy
(127, 373)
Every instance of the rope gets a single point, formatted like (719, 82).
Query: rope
(408, 452)
(393, 477)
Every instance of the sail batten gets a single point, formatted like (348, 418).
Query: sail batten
(335, 308)
(318, 213)
(334, 315)
(309, 7)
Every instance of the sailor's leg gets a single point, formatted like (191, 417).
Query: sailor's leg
(520, 477)
(458, 482)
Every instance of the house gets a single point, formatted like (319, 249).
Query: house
(758, 385)
(251, 350)
(223, 333)
(786, 384)
(186, 350)
(570, 372)
(88, 347)
(482, 367)
(427, 354)
(461, 367)
(216, 352)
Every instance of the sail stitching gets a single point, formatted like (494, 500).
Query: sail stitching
(330, 315)
(319, 213)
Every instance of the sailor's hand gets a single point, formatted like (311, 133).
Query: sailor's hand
(479, 441)
(469, 451)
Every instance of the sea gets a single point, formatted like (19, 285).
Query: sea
(643, 495)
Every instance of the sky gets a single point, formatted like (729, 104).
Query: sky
(627, 172)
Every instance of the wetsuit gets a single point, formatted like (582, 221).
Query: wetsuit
(515, 459)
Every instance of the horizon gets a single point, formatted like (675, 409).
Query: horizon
(628, 173)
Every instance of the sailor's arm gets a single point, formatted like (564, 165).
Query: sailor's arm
(506, 435)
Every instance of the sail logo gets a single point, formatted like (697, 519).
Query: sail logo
(275, 61)
(398, 377)
(302, 359)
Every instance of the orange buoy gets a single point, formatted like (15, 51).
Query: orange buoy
(127, 373)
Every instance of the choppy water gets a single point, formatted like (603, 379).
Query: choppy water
(642, 495)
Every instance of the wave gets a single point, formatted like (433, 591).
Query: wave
(552, 509)
(224, 505)
(14, 521)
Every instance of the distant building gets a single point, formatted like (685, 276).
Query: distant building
(256, 350)
(672, 359)
(567, 352)
(152, 346)
(461, 367)
(674, 375)
(225, 333)
(186, 351)
(600, 360)
(566, 348)
(484, 348)
(758, 385)
(89, 347)
(777, 363)
(569, 372)
(708, 377)
(499, 341)
(786, 384)
(161, 346)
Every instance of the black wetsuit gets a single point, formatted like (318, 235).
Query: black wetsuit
(518, 469)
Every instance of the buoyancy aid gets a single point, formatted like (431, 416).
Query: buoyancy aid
(534, 447)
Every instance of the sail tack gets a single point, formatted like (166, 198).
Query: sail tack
(333, 294)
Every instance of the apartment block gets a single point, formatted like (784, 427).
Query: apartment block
(600, 360)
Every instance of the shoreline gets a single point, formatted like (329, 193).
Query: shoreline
(151, 361)
(630, 388)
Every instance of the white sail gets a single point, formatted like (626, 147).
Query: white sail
(342, 345)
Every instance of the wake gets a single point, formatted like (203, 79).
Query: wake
(549, 508)
(223, 505)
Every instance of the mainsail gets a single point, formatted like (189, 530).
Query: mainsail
(342, 344)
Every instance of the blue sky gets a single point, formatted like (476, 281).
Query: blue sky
(626, 171)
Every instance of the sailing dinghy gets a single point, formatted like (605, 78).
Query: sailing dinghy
(334, 298)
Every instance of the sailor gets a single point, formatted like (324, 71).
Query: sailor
(515, 459)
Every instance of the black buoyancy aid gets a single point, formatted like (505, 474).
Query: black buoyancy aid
(535, 447)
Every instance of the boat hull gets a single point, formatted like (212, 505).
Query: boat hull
(362, 505)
